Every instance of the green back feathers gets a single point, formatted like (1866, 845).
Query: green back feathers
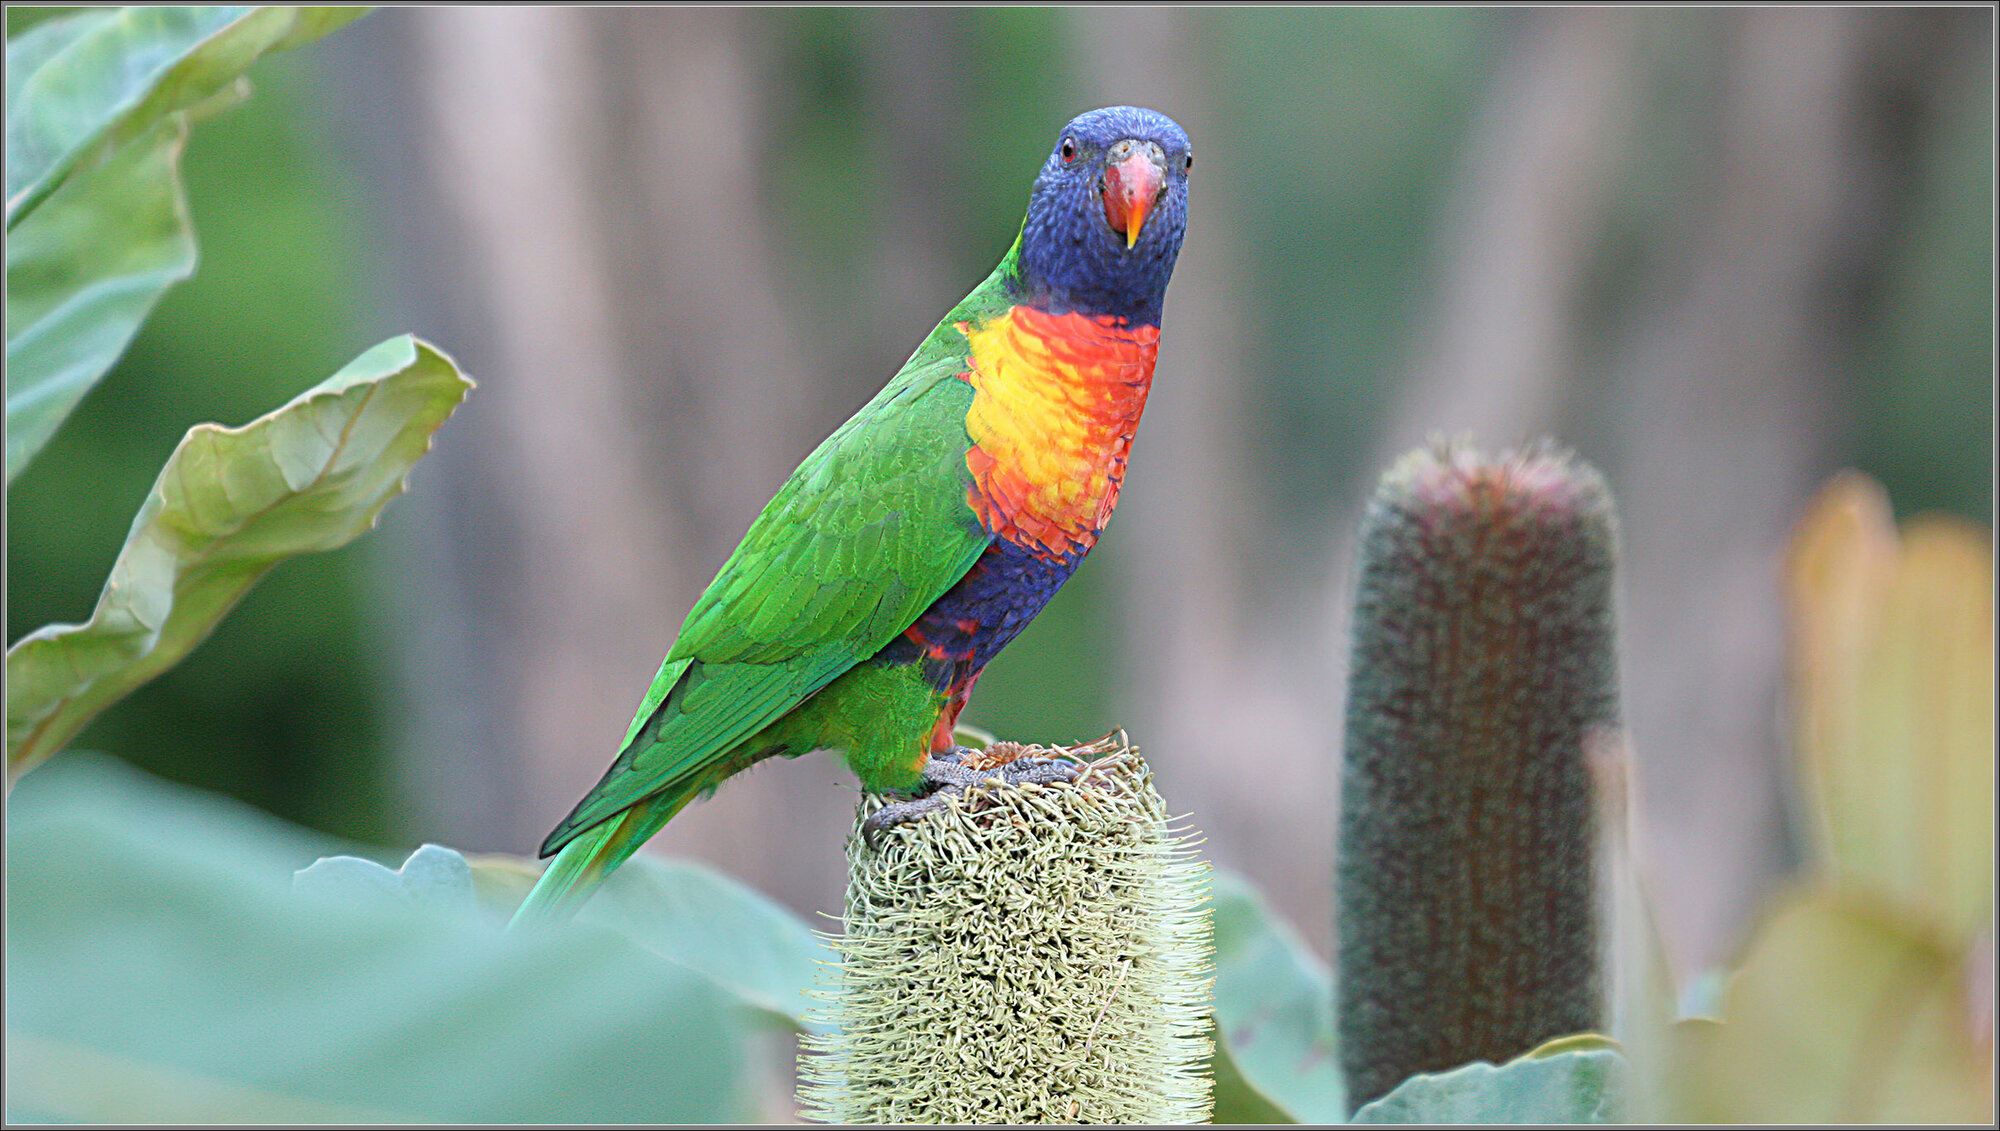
(868, 532)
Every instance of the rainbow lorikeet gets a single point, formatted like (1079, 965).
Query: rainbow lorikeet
(929, 529)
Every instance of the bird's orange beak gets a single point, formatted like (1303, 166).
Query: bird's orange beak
(1133, 183)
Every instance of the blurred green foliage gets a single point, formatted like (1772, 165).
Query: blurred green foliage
(162, 967)
(283, 707)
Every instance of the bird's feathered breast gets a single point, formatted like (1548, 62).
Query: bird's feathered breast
(1057, 399)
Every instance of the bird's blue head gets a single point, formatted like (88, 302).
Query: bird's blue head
(1106, 217)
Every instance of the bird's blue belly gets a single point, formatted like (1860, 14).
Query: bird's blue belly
(988, 608)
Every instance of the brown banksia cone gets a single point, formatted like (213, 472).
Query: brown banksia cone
(1483, 668)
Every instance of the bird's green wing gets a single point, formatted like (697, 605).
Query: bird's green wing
(871, 528)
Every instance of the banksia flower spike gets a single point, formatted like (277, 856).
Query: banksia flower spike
(1033, 954)
(1482, 670)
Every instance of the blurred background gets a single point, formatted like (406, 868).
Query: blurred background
(1721, 253)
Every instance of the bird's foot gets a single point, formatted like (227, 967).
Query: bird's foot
(949, 773)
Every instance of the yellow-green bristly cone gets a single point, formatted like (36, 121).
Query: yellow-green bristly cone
(1032, 954)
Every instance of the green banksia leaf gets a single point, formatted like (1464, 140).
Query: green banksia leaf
(1035, 954)
(1585, 1084)
(1482, 669)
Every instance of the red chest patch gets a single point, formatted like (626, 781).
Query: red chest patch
(1058, 398)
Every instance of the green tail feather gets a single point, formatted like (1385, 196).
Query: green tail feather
(583, 864)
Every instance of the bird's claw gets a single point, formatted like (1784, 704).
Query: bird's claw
(946, 776)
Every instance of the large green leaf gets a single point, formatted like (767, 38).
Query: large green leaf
(98, 105)
(680, 910)
(161, 968)
(1586, 1085)
(83, 271)
(230, 504)
(702, 919)
(1236, 1102)
(85, 84)
(1274, 1009)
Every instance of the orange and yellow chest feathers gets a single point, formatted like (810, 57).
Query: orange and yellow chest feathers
(1056, 401)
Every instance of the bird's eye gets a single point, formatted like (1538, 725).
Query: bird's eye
(1189, 167)
(1068, 150)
